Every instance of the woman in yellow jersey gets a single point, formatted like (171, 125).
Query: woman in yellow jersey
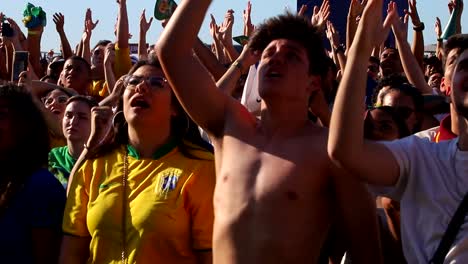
(146, 197)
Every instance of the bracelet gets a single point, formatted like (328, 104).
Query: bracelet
(340, 48)
(440, 39)
(32, 32)
(419, 27)
(238, 65)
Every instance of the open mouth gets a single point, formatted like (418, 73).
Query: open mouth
(140, 103)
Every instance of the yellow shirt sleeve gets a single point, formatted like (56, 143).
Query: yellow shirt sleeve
(199, 196)
(122, 64)
(74, 218)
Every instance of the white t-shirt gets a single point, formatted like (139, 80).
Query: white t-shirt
(433, 181)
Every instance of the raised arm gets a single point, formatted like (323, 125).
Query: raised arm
(188, 78)
(209, 60)
(355, 10)
(218, 46)
(228, 82)
(109, 60)
(338, 50)
(418, 27)
(122, 25)
(370, 161)
(34, 48)
(320, 15)
(86, 38)
(408, 60)
(59, 20)
(144, 27)
(226, 36)
(248, 26)
(440, 41)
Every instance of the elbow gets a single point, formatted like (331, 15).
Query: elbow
(337, 154)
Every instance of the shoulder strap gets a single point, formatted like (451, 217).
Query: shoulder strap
(451, 232)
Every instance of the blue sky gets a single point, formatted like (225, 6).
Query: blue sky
(106, 12)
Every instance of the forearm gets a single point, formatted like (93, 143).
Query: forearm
(9, 49)
(209, 60)
(122, 29)
(341, 59)
(228, 82)
(79, 49)
(231, 52)
(417, 47)
(34, 48)
(351, 27)
(86, 51)
(440, 49)
(66, 48)
(414, 74)
(142, 50)
(110, 76)
(346, 135)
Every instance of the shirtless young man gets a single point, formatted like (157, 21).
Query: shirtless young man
(274, 194)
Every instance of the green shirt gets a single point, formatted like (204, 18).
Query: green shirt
(61, 164)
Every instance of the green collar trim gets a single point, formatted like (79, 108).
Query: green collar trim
(159, 153)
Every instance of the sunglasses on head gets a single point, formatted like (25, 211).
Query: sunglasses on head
(154, 82)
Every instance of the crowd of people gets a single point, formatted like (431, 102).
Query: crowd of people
(299, 147)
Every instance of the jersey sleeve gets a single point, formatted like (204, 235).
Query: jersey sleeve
(74, 219)
(123, 63)
(198, 193)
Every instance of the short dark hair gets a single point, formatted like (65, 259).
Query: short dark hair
(296, 28)
(89, 100)
(102, 42)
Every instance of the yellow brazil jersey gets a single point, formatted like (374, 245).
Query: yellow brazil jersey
(169, 206)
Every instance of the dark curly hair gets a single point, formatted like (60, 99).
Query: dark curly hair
(30, 137)
(296, 28)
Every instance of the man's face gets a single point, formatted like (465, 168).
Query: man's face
(75, 75)
(446, 83)
(459, 94)
(284, 71)
(390, 62)
(97, 56)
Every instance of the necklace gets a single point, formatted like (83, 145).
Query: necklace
(124, 203)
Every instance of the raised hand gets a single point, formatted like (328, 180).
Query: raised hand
(144, 24)
(101, 127)
(225, 31)
(413, 13)
(438, 28)
(302, 10)
(89, 24)
(320, 16)
(59, 20)
(248, 26)
(332, 35)
(248, 57)
(399, 25)
(214, 28)
(356, 7)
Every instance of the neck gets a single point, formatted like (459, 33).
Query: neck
(147, 141)
(75, 148)
(454, 120)
(278, 120)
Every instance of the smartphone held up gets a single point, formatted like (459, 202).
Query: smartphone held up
(20, 64)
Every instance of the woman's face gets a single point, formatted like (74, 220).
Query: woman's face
(76, 124)
(55, 103)
(147, 98)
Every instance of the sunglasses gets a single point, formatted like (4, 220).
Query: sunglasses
(154, 82)
(62, 99)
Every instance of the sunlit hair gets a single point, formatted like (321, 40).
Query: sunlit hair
(296, 28)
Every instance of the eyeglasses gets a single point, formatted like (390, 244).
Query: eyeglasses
(62, 99)
(154, 82)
